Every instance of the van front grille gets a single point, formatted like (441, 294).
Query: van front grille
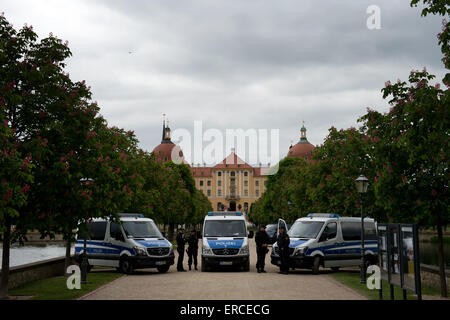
(158, 251)
(225, 252)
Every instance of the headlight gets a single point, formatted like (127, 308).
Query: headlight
(140, 251)
(244, 250)
(299, 251)
(206, 251)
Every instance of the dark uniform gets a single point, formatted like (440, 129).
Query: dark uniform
(192, 249)
(283, 245)
(261, 238)
(181, 240)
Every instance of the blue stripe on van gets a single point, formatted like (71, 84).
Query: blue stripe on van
(219, 244)
(342, 247)
(154, 243)
(107, 248)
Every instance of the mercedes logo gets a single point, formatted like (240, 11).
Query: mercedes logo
(225, 251)
(160, 251)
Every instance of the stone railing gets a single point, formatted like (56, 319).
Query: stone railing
(35, 271)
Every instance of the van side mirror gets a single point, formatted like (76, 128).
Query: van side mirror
(251, 234)
(199, 235)
(163, 234)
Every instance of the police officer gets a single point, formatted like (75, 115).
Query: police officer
(262, 241)
(180, 248)
(192, 249)
(283, 245)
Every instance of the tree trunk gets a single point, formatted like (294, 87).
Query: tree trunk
(5, 259)
(441, 257)
(68, 260)
(171, 231)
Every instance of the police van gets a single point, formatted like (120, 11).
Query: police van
(330, 241)
(225, 241)
(133, 244)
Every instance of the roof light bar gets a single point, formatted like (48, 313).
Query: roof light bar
(225, 213)
(323, 215)
(131, 215)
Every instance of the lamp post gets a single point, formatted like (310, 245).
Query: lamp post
(361, 185)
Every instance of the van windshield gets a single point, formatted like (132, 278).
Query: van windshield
(305, 229)
(225, 228)
(141, 229)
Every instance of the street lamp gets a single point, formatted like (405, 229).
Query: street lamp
(361, 185)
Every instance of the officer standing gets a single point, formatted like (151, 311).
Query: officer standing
(262, 241)
(192, 249)
(283, 245)
(180, 248)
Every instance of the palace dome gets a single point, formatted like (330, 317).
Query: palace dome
(303, 149)
(167, 150)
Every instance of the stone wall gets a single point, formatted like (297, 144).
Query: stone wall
(35, 271)
(430, 276)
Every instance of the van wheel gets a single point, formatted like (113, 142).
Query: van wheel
(316, 265)
(126, 266)
(163, 269)
(336, 269)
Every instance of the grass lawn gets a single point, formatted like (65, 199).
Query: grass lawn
(351, 279)
(56, 289)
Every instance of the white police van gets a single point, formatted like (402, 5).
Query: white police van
(330, 241)
(225, 240)
(133, 244)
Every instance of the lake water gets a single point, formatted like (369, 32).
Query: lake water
(29, 254)
(429, 253)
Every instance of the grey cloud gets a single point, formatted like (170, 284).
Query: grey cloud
(236, 64)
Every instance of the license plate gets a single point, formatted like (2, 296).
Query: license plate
(160, 263)
(226, 263)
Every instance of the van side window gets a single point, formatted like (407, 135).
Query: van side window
(98, 230)
(114, 230)
(329, 232)
(332, 230)
(351, 231)
(370, 232)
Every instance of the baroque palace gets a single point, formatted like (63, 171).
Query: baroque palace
(232, 184)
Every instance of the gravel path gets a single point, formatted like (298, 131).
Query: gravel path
(225, 285)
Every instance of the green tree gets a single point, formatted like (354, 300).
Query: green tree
(343, 156)
(410, 148)
(15, 178)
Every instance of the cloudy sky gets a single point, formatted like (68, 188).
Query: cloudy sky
(263, 64)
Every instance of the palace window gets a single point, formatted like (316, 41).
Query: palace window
(246, 193)
(219, 192)
(201, 183)
(257, 193)
(232, 174)
(245, 174)
(209, 183)
(257, 183)
(209, 193)
(246, 183)
(219, 183)
(219, 174)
